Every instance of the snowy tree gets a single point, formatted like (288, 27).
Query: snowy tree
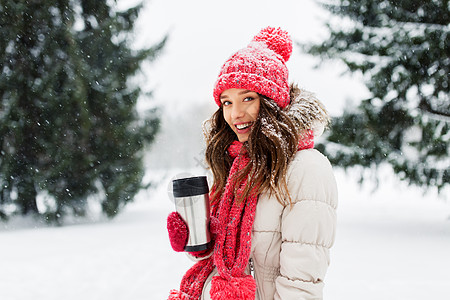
(402, 50)
(68, 121)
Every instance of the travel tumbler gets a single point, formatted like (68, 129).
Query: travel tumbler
(192, 203)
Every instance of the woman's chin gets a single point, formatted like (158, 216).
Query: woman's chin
(243, 139)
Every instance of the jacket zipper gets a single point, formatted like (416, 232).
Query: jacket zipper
(252, 267)
(252, 273)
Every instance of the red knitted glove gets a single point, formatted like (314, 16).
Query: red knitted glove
(178, 231)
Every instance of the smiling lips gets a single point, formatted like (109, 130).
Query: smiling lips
(243, 127)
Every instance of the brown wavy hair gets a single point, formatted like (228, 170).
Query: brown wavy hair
(271, 145)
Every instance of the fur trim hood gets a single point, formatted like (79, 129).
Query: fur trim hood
(306, 111)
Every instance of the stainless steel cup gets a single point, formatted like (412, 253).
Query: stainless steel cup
(192, 203)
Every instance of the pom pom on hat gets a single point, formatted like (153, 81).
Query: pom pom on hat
(276, 40)
(260, 67)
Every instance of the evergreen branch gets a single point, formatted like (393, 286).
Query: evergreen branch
(415, 25)
(425, 106)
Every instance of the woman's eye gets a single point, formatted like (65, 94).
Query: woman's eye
(248, 99)
(226, 103)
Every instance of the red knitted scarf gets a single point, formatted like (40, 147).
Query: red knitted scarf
(232, 245)
(233, 241)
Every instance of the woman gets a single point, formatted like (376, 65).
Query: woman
(274, 198)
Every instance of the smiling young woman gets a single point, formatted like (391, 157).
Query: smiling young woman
(274, 198)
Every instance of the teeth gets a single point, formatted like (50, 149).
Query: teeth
(242, 126)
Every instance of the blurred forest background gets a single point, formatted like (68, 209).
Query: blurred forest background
(72, 134)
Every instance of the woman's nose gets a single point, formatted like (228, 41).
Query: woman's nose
(237, 112)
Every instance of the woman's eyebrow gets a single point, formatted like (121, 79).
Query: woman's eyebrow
(245, 92)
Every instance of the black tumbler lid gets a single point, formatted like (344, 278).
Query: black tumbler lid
(191, 186)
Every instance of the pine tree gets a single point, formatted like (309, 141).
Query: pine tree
(69, 128)
(402, 49)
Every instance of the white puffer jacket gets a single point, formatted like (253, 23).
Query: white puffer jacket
(290, 243)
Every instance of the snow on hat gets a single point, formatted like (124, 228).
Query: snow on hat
(260, 67)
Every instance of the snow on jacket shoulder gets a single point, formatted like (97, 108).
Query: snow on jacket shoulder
(290, 243)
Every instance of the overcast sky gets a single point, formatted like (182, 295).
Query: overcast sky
(204, 33)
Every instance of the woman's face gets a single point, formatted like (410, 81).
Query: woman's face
(240, 110)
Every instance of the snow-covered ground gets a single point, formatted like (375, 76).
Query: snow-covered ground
(391, 244)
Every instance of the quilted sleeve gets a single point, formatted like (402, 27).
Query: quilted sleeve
(307, 227)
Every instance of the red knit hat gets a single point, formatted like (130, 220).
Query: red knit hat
(261, 67)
